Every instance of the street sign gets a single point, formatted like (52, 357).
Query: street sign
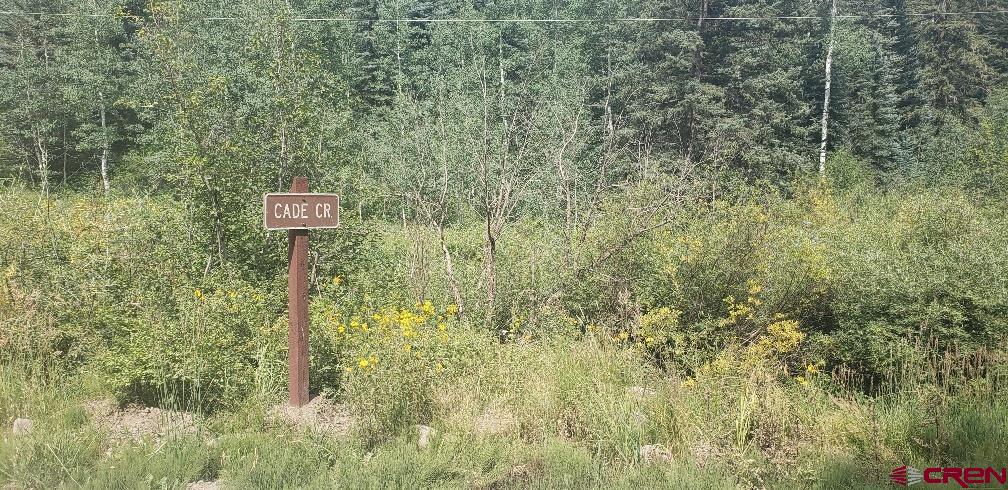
(297, 210)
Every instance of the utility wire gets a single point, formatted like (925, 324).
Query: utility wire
(973, 13)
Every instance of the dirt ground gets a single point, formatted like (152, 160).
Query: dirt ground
(320, 415)
(138, 422)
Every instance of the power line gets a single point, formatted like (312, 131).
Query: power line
(973, 13)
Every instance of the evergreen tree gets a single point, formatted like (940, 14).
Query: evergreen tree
(374, 69)
(658, 84)
(761, 68)
(953, 57)
(865, 116)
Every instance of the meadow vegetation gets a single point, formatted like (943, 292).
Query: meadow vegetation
(818, 339)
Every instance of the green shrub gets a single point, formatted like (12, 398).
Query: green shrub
(846, 171)
(915, 267)
(81, 266)
(206, 357)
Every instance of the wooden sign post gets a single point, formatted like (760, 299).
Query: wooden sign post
(297, 212)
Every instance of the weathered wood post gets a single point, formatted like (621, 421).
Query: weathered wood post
(297, 212)
(297, 305)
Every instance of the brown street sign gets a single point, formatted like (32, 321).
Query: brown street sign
(286, 211)
(296, 212)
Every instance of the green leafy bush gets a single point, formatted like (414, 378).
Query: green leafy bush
(207, 357)
(913, 268)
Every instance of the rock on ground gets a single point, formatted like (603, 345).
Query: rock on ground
(425, 433)
(203, 485)
(655, 452)
(22, 426)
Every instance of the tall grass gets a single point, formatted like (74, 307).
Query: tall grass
(568, 415)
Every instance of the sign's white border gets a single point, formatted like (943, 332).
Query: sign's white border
(338, 204)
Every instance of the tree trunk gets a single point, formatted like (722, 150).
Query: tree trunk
(826, 92)
(64, 155)
(490, 271)
(101, 108)
(105, 145)
(42, 155)
(450, 270)
(698, 75)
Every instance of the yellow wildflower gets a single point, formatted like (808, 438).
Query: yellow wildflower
(198, 294)
(688, 383)
(427, 307)
(363, 363)
(442, 326)
(452, 309)
(336, 280)
(785, 335)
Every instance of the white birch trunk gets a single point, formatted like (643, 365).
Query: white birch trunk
(826, 92)
(105, 145)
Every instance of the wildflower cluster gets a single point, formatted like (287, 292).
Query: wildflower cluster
(416, 339)
(739, 311)
(657, 327)
(691, 248)
(780, 341)
(232, 300)
(781, 337)
(770, 336)
(811, 371)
